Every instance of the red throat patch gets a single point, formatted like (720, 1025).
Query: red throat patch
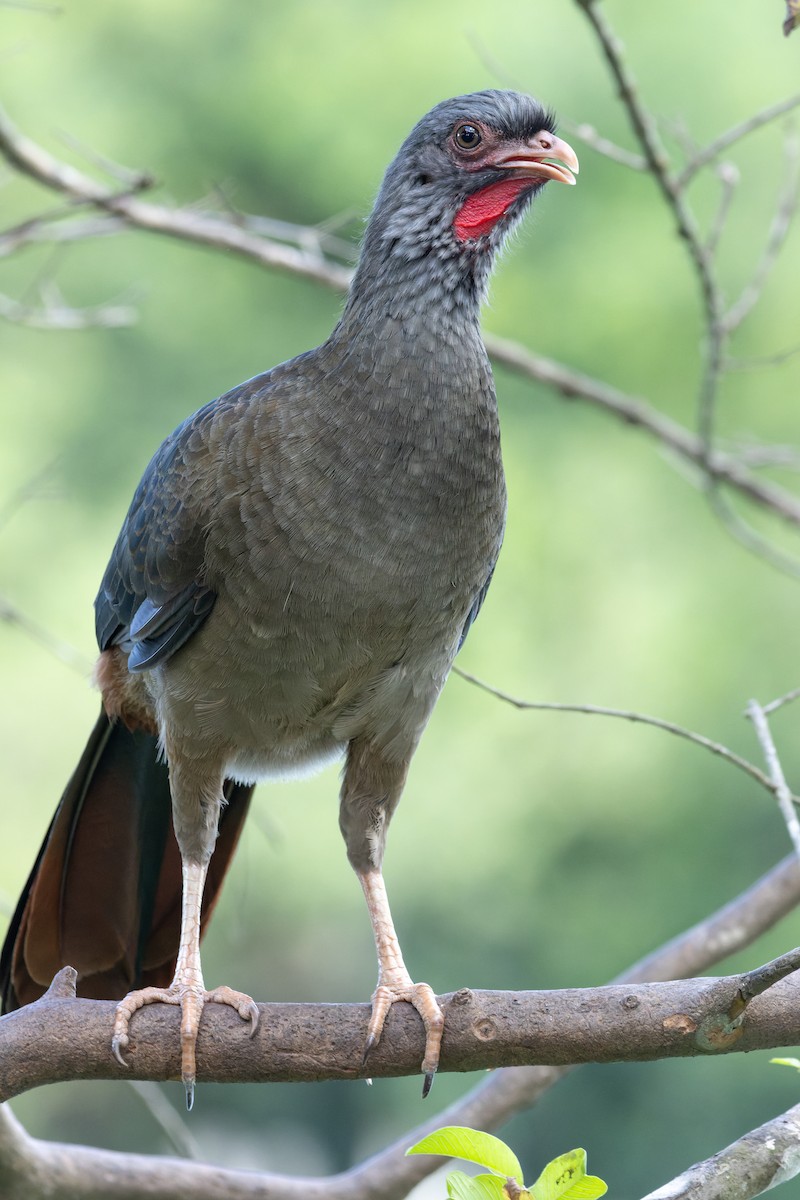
(484, 209)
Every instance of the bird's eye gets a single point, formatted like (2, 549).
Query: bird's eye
(467, 137)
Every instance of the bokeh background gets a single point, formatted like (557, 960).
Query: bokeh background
(531, 850)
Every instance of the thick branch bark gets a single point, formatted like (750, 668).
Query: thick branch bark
(29, 1167)
(59, 1038)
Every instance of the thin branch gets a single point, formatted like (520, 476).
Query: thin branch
(655, 154)
(759, 455)
(33, 160)
(634, 411)
(55, 314)
(38, 486)
(731, 929)
(718, 324)
(756, 982)
(51, 228)
(749, 537)
(11, 615)
(215, 231)
(168, 1120)
(779, 703)
(729, 178)
(623, 714)
(603, 145)
(747, 1168)
(786, 800)
(759, 362)
(781, 223)
(725, 140)
(131, 180)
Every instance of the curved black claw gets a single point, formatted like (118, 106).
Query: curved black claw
(369, 1046)
(427, 1083)
(117, 1045)
(189, 1095)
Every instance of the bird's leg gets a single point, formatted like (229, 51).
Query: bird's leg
(187, 989)
(370, 792)
(394, 981)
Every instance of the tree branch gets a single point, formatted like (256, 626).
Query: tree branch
(58, 1039)
(78, 1171)
(720, 144)
(634, 411)
(698, 739)
(35, 162)
(126, 211)
(755, 1163)
(786, 800)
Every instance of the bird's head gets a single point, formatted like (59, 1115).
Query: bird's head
(462, 179)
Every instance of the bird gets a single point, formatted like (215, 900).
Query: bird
(299, 566)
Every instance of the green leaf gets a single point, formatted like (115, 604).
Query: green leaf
(565, 1178)
(457, 1141)
(475, 1187)
(787, 1062)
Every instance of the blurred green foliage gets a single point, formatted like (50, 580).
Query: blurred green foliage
(531, 849)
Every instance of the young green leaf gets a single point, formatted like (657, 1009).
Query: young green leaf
(475, 1187)
(787, 1062)
(565, 1178)
(456, 1141)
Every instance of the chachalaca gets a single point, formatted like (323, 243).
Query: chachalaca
(299, 566)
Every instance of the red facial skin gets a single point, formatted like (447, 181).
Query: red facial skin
(481, 210)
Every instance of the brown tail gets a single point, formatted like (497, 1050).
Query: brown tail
(104, 895)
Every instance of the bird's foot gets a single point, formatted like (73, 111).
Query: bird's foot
(423, 998)
(191, 997)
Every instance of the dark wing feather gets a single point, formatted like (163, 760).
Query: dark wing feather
(153, 596)
(476, 608)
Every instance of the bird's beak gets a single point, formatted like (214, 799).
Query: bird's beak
(543, 156)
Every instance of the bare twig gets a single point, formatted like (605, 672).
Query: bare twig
(658, 162)
(718, 324)
(11, 615)
(220, 233)
(55, 314)
(603, 145)
(726, 931)
(655, 154)
(51, 228)
(786, 800)
(40, 485)
(774, 705)
(131, 181)
(725, 140)
(729, 177)
(758, 363)
(33, 160)
(723, 467)
(755, 455)
(781, 222)
(756, 982)
(751, 539)
(170, 1122)
(623, 714)
(747, 1168)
